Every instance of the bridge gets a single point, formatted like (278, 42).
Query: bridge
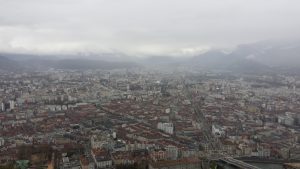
(237, 163)
(267, 160)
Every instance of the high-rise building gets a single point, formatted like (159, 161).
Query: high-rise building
(2, 106)
(166, 127)
(12, 104)
(1, 141)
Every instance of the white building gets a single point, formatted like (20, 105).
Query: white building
(100, 142)
(289, 121)
(217, 130)
(286, 120)
(102, 159)
(1, 141)
(166, 127)
(114, 135)
(11, 104)
(2, 107)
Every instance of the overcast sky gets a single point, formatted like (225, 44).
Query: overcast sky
(142, 27)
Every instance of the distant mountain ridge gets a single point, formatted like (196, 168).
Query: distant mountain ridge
(260, 57)
(73, 64)
(9, 65)
(273, 53)
(84, 64)
(263, 56)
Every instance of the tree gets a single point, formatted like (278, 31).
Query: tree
(213, 165)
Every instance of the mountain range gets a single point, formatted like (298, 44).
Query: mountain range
(264, 56)
(38, 64)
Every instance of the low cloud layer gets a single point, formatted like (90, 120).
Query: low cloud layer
(142, 27)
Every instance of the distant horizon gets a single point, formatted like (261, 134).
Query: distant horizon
(99, 55)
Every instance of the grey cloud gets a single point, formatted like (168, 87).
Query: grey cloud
(140, 27)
